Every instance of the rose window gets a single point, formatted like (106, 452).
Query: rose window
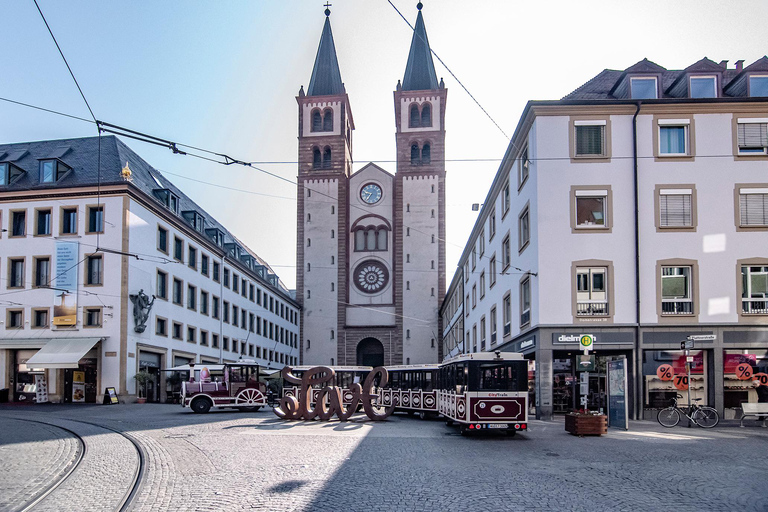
(371, 276)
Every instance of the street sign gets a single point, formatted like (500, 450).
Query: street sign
(586, 341)
(685, 345)
(702, 337)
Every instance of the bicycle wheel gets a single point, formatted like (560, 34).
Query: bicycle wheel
(668, 417)
(706, 417)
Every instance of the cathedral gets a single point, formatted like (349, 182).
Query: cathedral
(370, 245)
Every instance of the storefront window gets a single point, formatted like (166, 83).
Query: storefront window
(744, 378)
(562, 386)
(665, 377)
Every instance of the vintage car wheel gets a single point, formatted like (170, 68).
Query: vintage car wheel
(200, 405)
(249, 397)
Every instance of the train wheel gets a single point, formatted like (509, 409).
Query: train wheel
(200, 405)
(422, 415)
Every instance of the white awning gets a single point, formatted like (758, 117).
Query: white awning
(22, 343)
(62, 353)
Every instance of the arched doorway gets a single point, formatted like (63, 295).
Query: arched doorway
(370, 352)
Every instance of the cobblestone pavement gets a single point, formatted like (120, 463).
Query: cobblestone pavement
(253, 461)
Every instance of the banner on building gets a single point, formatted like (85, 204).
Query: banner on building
(65, 283)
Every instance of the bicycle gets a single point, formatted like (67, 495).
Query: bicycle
(703, 416)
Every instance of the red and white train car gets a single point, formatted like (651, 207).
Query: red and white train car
(483, 390)
(228, 385)
(412, 388)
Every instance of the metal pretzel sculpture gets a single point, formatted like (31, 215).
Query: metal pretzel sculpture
(329, 400)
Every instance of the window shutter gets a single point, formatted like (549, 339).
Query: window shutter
(753, 209)
(675, 210)
(589, 140)
(753, 135)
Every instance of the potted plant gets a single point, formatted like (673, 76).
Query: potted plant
(142, 378)
(586, 423)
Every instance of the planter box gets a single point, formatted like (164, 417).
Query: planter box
(586, 424)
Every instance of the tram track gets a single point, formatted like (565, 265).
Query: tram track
(42, 497)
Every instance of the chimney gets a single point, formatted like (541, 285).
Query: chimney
(724, 64)
(739, 65)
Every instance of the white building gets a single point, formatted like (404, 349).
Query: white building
(98, 239)
(634, 209)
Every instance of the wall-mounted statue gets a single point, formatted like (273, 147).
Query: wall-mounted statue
(141, 308)
(328, 400)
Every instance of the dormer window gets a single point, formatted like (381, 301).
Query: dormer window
(216, 235)
(9, 173)
(168, 198)
(643, 88)
(703, 87)
(52, 170)
(195, 220)
(758, 86)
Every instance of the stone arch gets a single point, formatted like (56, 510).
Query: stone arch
(370, 352)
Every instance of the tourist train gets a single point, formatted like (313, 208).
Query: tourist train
(236, 385)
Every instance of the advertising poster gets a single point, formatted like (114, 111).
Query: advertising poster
(78, 386)
(41, 389)
(618, 415)
(65, 283)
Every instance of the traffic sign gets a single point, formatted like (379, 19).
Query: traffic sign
(702, 337)
(586, 341)
(685, 345)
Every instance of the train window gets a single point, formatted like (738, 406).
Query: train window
(236, 374)
(501, 377)
(427, 381)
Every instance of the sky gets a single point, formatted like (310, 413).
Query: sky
(224, 75)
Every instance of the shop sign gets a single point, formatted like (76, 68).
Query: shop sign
(527, 343)
(665, 372)
(65, 295)
(734, 360)
(78, 386)
(614, 338)
(744, 371)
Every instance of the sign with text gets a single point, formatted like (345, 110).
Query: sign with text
(110, 396)
(65, 283)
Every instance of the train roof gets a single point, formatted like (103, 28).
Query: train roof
(304, 368)
(405, 367)
(486, 356)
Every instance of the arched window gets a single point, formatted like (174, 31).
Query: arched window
(317, 121)
(415, 119)
(328, 121)
(381, 242)
(426, 115)
(426, 154)
(327, 158)
(415, 154)
(370, 239)
(360, 240)
(316, 160)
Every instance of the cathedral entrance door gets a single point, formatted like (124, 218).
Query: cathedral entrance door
(370, 352)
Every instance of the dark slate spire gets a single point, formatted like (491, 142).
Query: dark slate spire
(326, 77)
(420, 70)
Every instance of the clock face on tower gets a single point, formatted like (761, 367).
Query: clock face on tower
(371, 276)
(371, 193)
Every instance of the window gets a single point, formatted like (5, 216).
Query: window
(492, 224)
(192, 257)
(215, 307)
(481, 242)
(52, 170)
(371, 239)
(244, 288)
(225, 311)
(643, 88)
(753, 207)
(40, 318)
(482, 334)
(235, 282)
(204, 264)
(162, 240)
(42, 272)
(754, 290)
(226, 277)
(426, 115)
(191, 335)
(95, 219)
(752, 136)
(317, 121)
(426, 154)
(492, 271)
(161, 326)
(204, 338)
(474, 257)
(19, 223)
(15, 319)
(703, 87)
(94, 270)
(590, 209)
(92, 317)
(482, 284)
(591, 292)
(493, 325)
(251, 288)
(68, 221)
(191, 297)
(524, 164)
(675, 208)
(177, 291)
(524, 232)
(178, 248)
(215, 340)
(216, 271)
(4, 178)
(327, 158)
(590, 138)
(16, 273)
(474, 338)
(525, 302)
(506, 253)
(674, 137)
(414, 120)
(758, 86)
(162, 285)
(235, 312)
(43, 222)
(676, 291)
(505, 202)
(474, 296)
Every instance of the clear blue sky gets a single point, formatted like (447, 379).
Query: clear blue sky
(223, 76)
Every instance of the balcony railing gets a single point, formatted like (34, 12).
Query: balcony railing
(591, 309)
(677, 307)
(754, 306)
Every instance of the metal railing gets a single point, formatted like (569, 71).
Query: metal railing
(591, 309)
(677, 307)
(754, 306)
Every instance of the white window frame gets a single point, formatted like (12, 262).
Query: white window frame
(590, 194)
(743, 193)
(755, 151)
(685, 124)
(765, 77)
(644, 78)
(589, 123)
(691, 78)
(753, 304)
(678, 305)
(665, 193)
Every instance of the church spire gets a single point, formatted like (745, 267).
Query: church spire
(326, 77)
(420, 70)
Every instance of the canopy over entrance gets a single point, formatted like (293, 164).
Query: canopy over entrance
(62, 353)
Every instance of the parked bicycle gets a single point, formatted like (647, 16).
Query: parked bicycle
(703, 416)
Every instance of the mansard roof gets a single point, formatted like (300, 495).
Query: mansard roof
(420, 70)
(326, 76)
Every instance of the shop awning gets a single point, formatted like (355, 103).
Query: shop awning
(22, 343)
(62, 353)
